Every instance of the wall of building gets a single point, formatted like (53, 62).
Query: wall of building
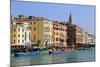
(37, 32)
(59, 34)
(42, 32)
(84, 36)
(78, 35)
(48, 33)
(91, 39)
(20, 34)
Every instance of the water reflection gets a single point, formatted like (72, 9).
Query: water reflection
(70, 57)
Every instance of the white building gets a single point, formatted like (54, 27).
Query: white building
(48, 32)
(84, 37)
(20, 33)
(91, 39)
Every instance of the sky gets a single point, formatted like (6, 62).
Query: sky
(82, 15)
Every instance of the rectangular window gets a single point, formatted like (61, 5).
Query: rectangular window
(30, 22)
(14, 29)
(56, 28)
(56, 25)
(47, 29)
(14, 35)
(14, 41)
(34, 38)
(18, 41)
(34, 22)
(22, 35)
(57, 33)
(54, 33)
(18, 35)
(22, 41)
(29, 36)
(25, 36)
(56, 39)
(19, 29)
(34, 28)
(22, 30)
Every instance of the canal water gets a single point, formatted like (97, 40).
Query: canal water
(69, 57)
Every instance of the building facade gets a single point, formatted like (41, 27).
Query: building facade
(91, 39)
(84, 37)
(74, 33)
(59, 34)
(20, 32)
(41, 32)
(78, 35)
(48, 33)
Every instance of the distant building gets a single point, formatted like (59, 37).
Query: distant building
(78, 35)
(91, 39)
(74, 33)
(84, 37)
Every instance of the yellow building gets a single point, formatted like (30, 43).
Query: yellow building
(20, 32)
(41, 31)
(60, 34)
(37, 31)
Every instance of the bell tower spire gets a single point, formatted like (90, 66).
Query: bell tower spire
(70, 19)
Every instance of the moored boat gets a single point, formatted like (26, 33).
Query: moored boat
(57, 52)
(82, 48)
(35, 53)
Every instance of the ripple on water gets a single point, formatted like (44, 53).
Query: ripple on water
(70, 57)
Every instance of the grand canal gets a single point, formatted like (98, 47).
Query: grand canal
(69, 57)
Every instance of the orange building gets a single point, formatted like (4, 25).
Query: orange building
(59, 34)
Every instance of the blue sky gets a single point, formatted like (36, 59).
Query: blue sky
(83, 16)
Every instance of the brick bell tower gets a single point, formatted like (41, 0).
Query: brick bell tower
(70, 32)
